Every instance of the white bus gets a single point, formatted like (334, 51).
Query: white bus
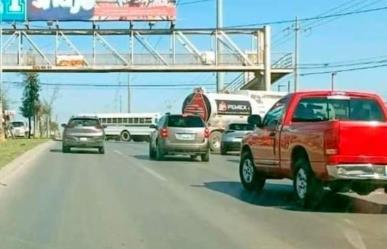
(128, 126)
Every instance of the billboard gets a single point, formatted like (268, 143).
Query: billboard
(233, 107)
(89, 10)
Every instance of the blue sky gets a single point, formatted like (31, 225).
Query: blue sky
(346, 38)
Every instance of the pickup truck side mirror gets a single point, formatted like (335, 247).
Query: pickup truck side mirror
(153, 127)
(64, 125)
(255, 120)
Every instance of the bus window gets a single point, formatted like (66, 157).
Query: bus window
(142, 120)
(119, 121)
(148, 120)
(136, 120)
(125, 120)
(114, 120)
(109, 120)
(130, 121)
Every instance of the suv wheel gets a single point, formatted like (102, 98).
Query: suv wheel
(159, 153)
(125, 136)
(205, 157)
(152, 154)
(308, 189)
(251, 179)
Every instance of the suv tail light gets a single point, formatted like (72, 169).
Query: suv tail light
(206, 133)
(331, 137)
(164, 133)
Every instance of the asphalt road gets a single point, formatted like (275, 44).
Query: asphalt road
(123, 200)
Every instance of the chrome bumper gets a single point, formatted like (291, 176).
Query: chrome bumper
(357, 172)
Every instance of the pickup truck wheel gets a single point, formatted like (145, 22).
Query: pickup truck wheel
(308, 189)
(250, 177)
(362, 188)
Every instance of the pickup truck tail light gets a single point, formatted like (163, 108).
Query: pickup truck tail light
(164, 133)
(206, 133)
(332, 139)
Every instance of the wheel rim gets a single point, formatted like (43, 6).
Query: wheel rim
(215, 142)
(125, 136)
(301, 183)
(248, 171)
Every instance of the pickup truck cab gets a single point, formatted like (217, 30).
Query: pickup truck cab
(319, 139)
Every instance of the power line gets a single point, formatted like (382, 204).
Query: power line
(310, 18)
(192, 2)
(345, 70)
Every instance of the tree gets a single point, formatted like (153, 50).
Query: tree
(30, 100)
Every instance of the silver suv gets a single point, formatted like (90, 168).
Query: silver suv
(83, 132)
(180, 134)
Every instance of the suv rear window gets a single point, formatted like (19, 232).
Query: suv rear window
(185, 121)
(354, 109)
(241, 127)
(83, 122)
(17, 124)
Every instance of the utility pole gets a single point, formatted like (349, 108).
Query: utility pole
(333, 75)
(296, 54)
(129, 93)
(219, 25)
(2, 132)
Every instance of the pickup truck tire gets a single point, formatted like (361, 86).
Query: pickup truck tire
(308, 189)
(251, 179)
(362, 188)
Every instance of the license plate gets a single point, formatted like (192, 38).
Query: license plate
(185, 136)
(83, 139)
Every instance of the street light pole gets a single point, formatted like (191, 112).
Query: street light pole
(296, 54)
(2, 132)
(333, 80)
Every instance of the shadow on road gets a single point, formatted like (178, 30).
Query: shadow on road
(281, 196)
(167, 158)
(75, 151)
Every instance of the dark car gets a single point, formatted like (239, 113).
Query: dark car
(232, 137)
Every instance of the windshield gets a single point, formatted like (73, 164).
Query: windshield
(82, 122)
(241, 127)
(185, 121)
(17, 124)
(353, 109)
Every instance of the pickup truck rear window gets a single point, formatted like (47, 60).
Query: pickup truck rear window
(185, 121)
(323, 109)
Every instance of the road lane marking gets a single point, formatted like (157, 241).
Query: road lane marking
(148, 170)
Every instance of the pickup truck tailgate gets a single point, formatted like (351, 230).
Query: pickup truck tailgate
(363, 140)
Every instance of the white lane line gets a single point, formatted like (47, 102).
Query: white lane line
(154, 173)
(119, 152)
(148, 170)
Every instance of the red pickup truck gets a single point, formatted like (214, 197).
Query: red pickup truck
(319, 139)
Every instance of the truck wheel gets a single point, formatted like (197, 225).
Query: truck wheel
(251, 179)
(362, 188)
(125, 136)
(205, 157)
(215, 141)
(308, 189)
(159, 153)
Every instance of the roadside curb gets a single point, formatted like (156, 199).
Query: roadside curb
(24, 159)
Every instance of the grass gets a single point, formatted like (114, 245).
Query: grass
(12, 148)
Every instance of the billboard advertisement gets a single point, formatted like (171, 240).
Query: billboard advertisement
(89, 10)
(233, 107)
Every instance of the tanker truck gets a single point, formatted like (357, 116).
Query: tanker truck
(220, 109)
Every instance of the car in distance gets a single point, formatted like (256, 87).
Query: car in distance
(83, 132)
(177, 134)
(232, 137)
(319, 139)
(19, 129)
